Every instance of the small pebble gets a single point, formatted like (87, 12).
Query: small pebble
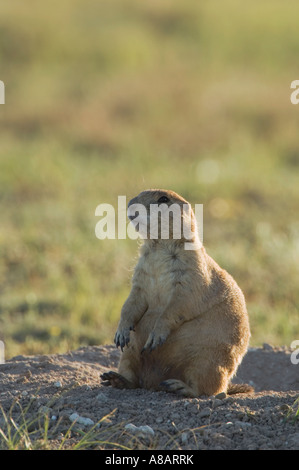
(217, 402)
(45, 410)
(57, 384)
(81, 420)
(130, 427)
(204, 412)
(147, 430)
(102, 397)
(143, 430)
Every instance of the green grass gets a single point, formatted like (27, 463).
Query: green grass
(22, 430)
(109, 98)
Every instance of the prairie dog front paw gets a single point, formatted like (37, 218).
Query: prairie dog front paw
(156, 338)
(122, 336)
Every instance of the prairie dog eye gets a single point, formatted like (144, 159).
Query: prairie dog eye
(163, 199)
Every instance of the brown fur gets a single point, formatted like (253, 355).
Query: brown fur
(184, 327)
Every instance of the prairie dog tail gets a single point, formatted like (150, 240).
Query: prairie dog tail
(239, 388)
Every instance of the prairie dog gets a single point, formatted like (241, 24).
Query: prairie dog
(184, 327)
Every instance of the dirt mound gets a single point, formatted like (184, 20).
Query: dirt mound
(62, 394)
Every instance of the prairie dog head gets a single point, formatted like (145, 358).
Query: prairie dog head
(160, 214)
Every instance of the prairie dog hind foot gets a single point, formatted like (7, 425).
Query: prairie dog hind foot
(178, 387)
(116, 380)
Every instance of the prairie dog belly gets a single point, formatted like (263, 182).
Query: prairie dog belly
(173, 358)
(155, 276)
(186, 350)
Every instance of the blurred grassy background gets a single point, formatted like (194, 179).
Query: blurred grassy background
(109, 97)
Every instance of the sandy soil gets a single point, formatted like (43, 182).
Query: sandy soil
(67, 390)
